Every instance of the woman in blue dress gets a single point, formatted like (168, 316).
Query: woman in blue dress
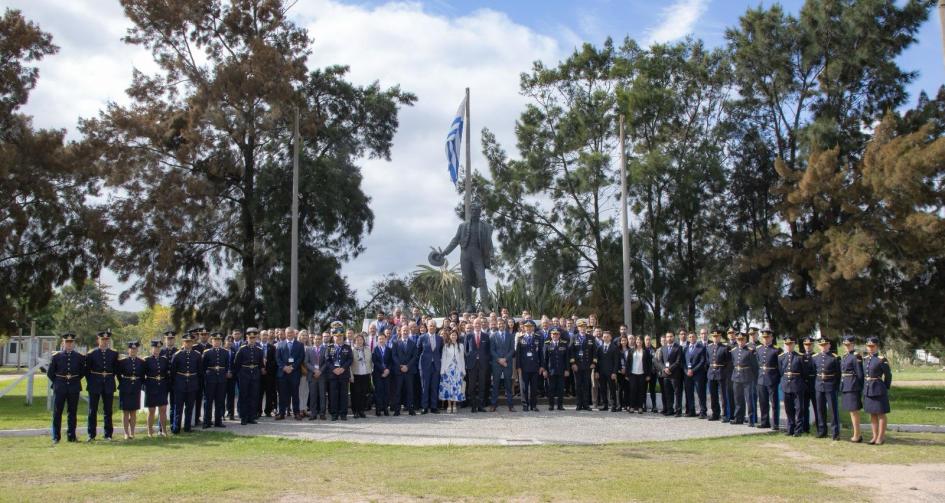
(452, 370)
(877, 379)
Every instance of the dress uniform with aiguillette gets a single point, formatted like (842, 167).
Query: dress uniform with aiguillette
(556, 366)
(744, 363)
(215, 365)
(769, 377)
(339, 357)
(101, 365)
(248, 363)
(65, 372)
(185, 380)
(719, 356)
(810, 399)
(826, 385)
(130, 380)
(851, 379)
(155, 379)
(168, 352)
(878, 379)
(793, 384)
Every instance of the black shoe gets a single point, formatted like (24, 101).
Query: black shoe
(312, 417)
(362, 416)
(72, 439)
(511, 409)
(386, 413)
(377, 413)
(481, 409)
(679, 414)
(334, 418)
(435, 411)
(822, 436)
(187, 429)
(702, 416)
(764, 425)
(713, 418)
(424, 411)
(413, 413)
(205, 425)
(219, 424)
(738, 422)
(615, 409)
(344, 418)
(690, 414)
(253, 421)
(90, 439)
(230, 417)
(242, 422)
(396, 413)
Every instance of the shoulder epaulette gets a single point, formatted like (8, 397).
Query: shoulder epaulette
(122, 357)
(56, 353)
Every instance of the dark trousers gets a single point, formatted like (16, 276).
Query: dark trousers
(555, 391)
(476, 379)
(429, 387)
(752, 406)
(214, 398)
(672, 395)
(403, 391)
(183, 410)
(230, 397)
(289, 393)
(606, 391)
(200, 399)
(530, 390)
(718, 391)
(770, 404)
(792, 408)
(171, 406)
(636, 391)
(317, 404)
(689, 384)
(827, 399)
(651, 388)
(338, 394)
(107, 399)
(701, 388)
(60, 400)
(359, 393)
(267, 394)
(248, 398)
(381, 387)
(730, 392)
(810, 402)
(623, 390)
(582, 388)
(503, 375)
(742, 394)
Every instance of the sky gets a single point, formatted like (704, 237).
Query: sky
(433, 48)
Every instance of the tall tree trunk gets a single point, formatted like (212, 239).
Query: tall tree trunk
(248, 222)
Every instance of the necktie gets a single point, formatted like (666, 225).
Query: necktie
(477, 340)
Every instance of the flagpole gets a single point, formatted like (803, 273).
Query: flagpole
(294, 279)
(468, 191)
(627, 298)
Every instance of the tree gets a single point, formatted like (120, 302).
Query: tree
(84, 310)
(50, 232)
(201, 162)
(816, 83)
(554, 208)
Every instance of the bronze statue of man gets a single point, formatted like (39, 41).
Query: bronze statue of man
(475, 244)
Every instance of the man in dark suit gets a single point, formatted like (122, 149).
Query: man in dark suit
(477, 366)
(381, 362)
(501, 351)
(315, 365)
(555, 358)
(717, 358)
(267, 385)
(608, 363)
(695, 358)
(101, 364)
(583, 359)
(671, 363)
(290, 354)
(528, 361)
(404, 357)
(65, 372)
(429, 355)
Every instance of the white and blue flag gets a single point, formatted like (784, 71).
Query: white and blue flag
(454, 142)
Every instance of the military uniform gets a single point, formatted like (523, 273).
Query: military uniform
(810, 399)
(199, 346)
(130, 380)
(555, 362)
(719, 356)
(878, 379)
(101, 365)
(338, 357)
(769, 377)
(528, 359)
(851, 380)
(155, 379)
(168, 352)
(793, 372)
(826, 384)
(185, 380)
(65, 372)
(583, 355)
(214, 367)
(744, 363)
(248, 363)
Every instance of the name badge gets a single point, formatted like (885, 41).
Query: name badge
(667, 364)
(529, 354)
(580, 353)
(291, 360)
(337, 364)
(316, 367)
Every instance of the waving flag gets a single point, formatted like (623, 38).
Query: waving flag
(454, 140)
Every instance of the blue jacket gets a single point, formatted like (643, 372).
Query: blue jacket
(404, 353)
(214, 365)
(555, 357)
(476, 356)
(428, 357)
(381, 360)
(695, 356)
(286, 351)
(100, 369)
(65, 371)
(501, 345)
(528, 353)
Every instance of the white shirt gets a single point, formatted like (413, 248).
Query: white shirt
(637, 366)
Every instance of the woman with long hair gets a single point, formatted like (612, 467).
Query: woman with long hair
(623, 383)
(878, 379)
(452, 370)
(361, 369)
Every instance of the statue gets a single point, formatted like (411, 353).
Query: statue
(475, 244)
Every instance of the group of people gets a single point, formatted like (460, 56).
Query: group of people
(412, 363)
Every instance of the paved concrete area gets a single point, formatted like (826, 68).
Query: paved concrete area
(498, 428)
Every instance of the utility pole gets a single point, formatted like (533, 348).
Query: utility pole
(624, 230)
(294, 280)
(32, 363)
(941, 21)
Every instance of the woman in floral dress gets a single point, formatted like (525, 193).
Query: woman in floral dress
(452, 370)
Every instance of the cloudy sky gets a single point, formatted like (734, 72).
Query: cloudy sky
(433, 48)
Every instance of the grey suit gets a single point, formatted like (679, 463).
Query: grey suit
(315, 358)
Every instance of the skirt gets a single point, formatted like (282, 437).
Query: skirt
(155, 394)
(876, 405)
(852, 401)
(451, 385)
(129, 397)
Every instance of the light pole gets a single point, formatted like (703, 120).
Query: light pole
(294, 280)
(941, 21)
(627, 296)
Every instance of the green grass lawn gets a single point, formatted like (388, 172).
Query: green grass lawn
(229, 468)
(930, 373)
(15, 414)
(11, 370)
